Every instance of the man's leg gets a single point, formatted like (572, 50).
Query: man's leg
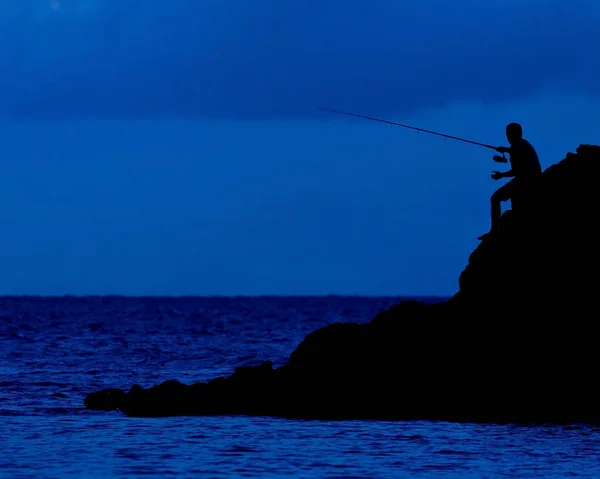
(496, 201)
(503, 193)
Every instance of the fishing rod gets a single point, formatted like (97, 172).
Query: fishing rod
(411, 128)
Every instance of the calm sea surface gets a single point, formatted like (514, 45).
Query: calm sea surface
(55, 350)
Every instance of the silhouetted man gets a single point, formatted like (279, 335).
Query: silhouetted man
(525, 166)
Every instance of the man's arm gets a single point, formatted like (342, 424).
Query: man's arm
(497, 175)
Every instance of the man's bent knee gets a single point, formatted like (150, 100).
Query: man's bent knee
(498, 198)
(502, 194)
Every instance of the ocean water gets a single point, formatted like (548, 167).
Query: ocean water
(55, 350)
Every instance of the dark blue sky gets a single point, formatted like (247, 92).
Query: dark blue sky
(156, 147)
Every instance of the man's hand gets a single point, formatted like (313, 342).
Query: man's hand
(496, 175)
(502, 149)
(499, 159)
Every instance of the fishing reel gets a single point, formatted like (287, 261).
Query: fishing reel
(500, 159)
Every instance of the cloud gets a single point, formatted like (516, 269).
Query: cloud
(268, 58)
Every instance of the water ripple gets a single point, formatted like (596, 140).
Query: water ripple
(56, 350)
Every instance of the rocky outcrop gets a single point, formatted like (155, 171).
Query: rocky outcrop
(517, 343)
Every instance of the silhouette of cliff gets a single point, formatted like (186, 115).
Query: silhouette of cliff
(515, 344)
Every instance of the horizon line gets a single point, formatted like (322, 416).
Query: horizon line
(179, 296)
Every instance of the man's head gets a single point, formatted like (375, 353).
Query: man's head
(514, 132)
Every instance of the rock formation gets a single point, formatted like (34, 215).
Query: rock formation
(515, 344)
